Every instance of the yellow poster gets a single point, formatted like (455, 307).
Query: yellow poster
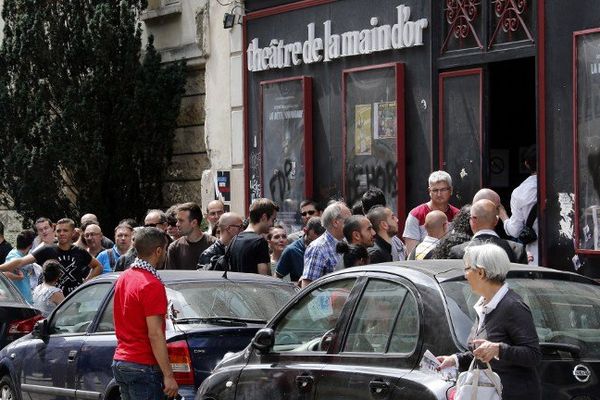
(362, 129)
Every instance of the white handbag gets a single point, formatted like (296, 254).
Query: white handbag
(478, 384)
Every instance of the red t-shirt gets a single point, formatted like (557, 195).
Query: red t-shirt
(138, 294)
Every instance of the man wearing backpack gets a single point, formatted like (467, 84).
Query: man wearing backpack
(108, 258)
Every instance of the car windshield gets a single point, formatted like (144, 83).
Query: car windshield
(7, 292)
(563, 312)
(226, 301)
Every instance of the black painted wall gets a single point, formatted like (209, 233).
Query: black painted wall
(562, 19)
(327, 86)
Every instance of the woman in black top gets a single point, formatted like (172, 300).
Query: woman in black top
(503, 333)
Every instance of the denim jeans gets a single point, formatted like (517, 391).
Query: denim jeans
(138, 381)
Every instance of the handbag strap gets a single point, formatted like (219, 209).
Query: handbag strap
(532, 216)
(492, 378)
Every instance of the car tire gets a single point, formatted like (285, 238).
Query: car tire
(7, 389)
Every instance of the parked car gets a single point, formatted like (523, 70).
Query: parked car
(69, 355)
(17, 317)
(360, 333)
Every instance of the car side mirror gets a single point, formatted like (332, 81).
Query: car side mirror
(40, 329)
(263, 340)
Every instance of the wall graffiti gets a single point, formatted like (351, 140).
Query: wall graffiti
(280, 183)
(362, 177)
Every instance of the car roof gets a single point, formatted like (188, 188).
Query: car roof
(447, 270)
(172, 276)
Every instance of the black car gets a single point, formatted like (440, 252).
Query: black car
(360, 333)
(17, 317)
(69, 355)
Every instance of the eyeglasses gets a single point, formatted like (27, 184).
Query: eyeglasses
(309, 212)
(235, 226)
(440, 190)
(150, 225)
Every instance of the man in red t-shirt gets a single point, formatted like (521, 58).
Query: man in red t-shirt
(440, 191)
(141, 363)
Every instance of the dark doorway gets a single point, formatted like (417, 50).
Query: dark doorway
(512, 123)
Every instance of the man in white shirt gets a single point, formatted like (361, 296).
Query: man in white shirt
(522, 200)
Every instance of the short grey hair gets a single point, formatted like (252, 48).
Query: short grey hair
(332, 212)
(489, 257)
(440, 176)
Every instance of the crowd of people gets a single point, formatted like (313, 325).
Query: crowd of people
(331, 237)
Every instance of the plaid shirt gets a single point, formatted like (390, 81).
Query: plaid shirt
(320, 257)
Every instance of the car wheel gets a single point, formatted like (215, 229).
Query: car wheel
(7, 389)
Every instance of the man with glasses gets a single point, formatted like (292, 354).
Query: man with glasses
(308, 209)
(230, 225)
(321, 257)
(214, 210)
(440, 191)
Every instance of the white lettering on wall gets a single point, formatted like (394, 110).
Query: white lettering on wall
(404, 33)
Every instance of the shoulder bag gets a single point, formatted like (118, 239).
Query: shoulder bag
(527, 234)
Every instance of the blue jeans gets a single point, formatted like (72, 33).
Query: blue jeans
(138, 381)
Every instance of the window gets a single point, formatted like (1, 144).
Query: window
(374, 324)
(76, 313)
(304, 325)
(587, 141)
(107, 323)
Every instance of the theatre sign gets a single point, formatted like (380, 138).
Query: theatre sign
(404, 33)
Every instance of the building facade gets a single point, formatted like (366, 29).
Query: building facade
(344, 95)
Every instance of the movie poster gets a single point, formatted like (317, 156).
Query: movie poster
(362, 130)
(385, 120)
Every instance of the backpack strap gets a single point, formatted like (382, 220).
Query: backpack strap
(111, 259)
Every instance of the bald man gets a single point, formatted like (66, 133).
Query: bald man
(489, 194)
(230, 224)
(483, 220)
(436, 225)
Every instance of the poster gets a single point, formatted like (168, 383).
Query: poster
(362, 130)
(385, 120)
(283, 130)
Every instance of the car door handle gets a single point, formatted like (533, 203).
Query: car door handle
(305, 382)
(378, 387)
(72, 355)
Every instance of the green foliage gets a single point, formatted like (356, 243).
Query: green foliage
(86, 120)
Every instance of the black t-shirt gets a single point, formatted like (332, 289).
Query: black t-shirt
(247, 251)
(5, 248)
(75, 264)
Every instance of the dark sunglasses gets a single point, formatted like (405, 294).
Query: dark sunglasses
(150, 225)
(310, 212)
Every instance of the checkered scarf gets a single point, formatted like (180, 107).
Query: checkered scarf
(141, 264)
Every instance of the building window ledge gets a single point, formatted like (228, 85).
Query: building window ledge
(171, 8)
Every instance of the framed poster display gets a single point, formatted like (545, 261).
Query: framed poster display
(286, 145)
(373, 134)
(586, 141)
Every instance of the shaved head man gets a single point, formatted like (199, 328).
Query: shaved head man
(483, 220)
(214, 210)
(230, 225)
(487, 194)
(436, 225)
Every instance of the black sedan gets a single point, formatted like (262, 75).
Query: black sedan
(16, 316)
(360, 333)
(69, 355)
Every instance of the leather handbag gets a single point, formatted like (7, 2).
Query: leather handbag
(478, 384)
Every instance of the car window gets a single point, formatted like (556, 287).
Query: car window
(303, 326)
(107, 324)
(563, 312)
(76, 313)
(8, 292)
(373, 322)
(228, 299)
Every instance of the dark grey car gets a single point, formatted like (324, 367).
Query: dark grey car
(360, 333)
